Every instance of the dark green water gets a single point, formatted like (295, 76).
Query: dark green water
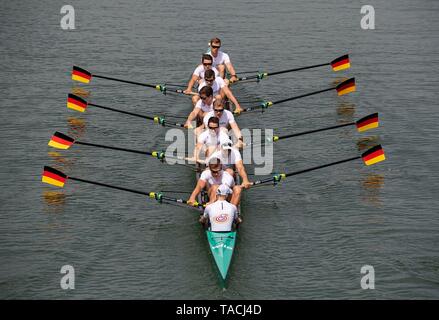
(306, 238)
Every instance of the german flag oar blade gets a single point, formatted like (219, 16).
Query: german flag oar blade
(76, 103)
(53, 177)
(341, 63)
(373, 155)
(367, 122)
(346, 87)
(81, 75)
(61, 141)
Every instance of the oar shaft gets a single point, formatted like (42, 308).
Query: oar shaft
(126, 81)
(110, 186)
(122, 111)
(316, 130)
(113, 148)
(302, 96)
(298, 69)
(321, 166)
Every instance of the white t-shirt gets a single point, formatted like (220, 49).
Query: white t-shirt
(204, 107)
(199, 71)
(222, 178)
(210, 138)
(221, 215)
(227, 160)
(226, 118)
(217, 85)
(221, 58)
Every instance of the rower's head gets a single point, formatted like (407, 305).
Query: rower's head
(209, 77)
(215, 45)
(223, 191)
(215, 166)
(207, 61)
(218, 108)
(213, 124)
(206, 95)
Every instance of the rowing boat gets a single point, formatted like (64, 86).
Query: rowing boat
(221, 244)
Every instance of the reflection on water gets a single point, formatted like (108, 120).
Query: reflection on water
(81, 92)
(368, 142)
(77, 127)
(371, 186)
(339, 80)
(54, 200)
(345, 112)
(61, 160)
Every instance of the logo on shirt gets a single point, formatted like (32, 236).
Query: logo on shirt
(222, 218)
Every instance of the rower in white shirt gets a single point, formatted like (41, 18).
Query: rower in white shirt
(226, 119)
(221, 60)
(209, 140)
(221, 214)
(219, 87)
(211, 178)
(231, 160)
(202, 107)
(199, 72)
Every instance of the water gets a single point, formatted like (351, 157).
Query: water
(306, 238)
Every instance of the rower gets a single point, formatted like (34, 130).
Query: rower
(220, 89)
(211, 178)
(231, 160)
(202, 107)
(199, 72)
(221, 214)
(209, 138)
(221, 60)
(226, 119)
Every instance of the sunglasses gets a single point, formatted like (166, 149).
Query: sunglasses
(213, 128)
(203, 98)
(215, 47)
(207, 64)
(215, 172)
(218, 110)
(209, 80)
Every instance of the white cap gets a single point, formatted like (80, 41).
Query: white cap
(223, 190)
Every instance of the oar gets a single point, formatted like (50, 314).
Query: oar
(58, 179)
(343, 88)
(366, 123)
(84, 76)
(338, 64)
(370, 157)
(77, 103)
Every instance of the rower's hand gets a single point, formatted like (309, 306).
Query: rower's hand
(191, 202)
(188, 125)
(188, 91)
(246, 184)
(190, 159)
(233, 79)
(237, 111)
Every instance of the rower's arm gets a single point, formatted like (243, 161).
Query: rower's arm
(197, 150)
(191, 83)
(241, 171)
(236, 131)
(192, 116)
(230, 68)
(200, 186)
(231, 97)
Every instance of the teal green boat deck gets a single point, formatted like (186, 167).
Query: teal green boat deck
(222, 245)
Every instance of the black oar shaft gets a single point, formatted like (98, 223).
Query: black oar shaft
(122, 111)
(297, 69)
(316, 130)
(126, 81)
(302, 96)
(110, 186)
(321, 166)
(113, 148)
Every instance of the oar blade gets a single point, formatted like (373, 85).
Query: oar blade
(346, 87)
(373, 155)
(341, 63)
(81, 75)
(368, 122)
(61, 141)
(76, 103)
(53, 177)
